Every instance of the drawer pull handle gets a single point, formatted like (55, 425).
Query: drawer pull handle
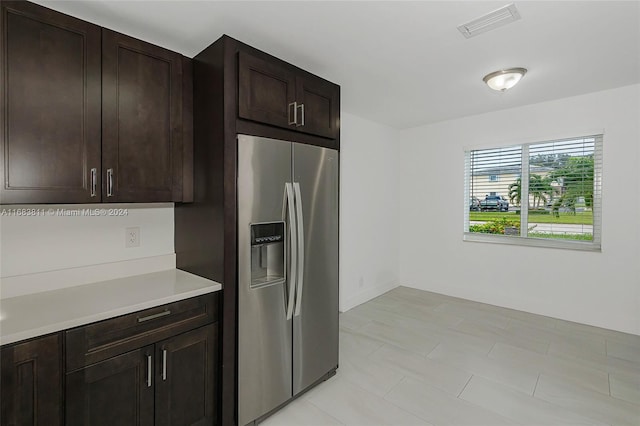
(154, 316)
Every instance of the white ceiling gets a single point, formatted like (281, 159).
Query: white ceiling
(405, 63)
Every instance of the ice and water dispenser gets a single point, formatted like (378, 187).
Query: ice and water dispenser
(267, 254)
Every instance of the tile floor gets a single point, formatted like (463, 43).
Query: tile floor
(411, 357)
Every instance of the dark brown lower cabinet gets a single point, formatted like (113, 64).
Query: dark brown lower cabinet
(185, 388)
(170, 383)
(117, 391)
(31, 384)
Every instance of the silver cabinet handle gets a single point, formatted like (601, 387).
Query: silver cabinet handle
(300, 231)
(109, 182)
(293, 111)
(301, 108)
(164, 364)
(149, 370)
(94, 181)
(154, 316)
(288, 203)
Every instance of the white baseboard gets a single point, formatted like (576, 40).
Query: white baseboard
(365, 296)
(20, 285)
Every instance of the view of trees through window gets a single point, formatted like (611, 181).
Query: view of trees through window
(561, 195)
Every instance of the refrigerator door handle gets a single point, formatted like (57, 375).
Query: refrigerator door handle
(300, 281)
(288, 205)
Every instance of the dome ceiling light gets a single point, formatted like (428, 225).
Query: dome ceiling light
(504, 79)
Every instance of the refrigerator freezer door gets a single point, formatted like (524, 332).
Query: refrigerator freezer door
(264, 333)
(315, 322)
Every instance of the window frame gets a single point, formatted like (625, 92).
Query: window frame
(523, 239)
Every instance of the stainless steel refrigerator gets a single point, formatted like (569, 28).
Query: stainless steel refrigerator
(287, 271)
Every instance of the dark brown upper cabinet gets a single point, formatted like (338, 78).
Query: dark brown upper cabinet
(273, 92)
(32, 382)
(89, 115)
(320, 102)
(141, 120)
(265, 91)
(51, 101)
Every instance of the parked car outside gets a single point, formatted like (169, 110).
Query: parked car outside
(474, 204)
(494, 202)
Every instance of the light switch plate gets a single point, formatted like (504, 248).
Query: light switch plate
(132, 237)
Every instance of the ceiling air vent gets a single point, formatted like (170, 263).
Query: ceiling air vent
(491, 20)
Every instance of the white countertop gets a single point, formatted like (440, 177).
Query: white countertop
(32, 315)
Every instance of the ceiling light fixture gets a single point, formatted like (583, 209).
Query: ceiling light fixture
(490, 21)
(504, 79)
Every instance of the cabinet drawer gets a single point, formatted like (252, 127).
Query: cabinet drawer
(96, 342)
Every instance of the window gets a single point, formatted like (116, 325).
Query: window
(543, 194)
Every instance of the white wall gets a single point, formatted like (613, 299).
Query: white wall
(31, 246)
(601, 289)
(368, 210)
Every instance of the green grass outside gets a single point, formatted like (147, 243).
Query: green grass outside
(580, 218)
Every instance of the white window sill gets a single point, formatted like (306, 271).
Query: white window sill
(532, 242)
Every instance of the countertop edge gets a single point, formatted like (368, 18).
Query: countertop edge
(88, 319)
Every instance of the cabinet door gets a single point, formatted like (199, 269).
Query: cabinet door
(265, 90)
(31, 383)
(186, 383)
(118, 391)
(50, 114)
(141, 121)
(321, 100)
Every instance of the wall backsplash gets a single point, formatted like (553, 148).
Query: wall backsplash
(68, 236)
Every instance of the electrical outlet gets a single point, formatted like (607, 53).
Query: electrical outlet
(132, 237)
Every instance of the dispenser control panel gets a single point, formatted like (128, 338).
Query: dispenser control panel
(268, 254)
(265, 233)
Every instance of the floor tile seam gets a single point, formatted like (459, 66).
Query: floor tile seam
(559, 372)
(559, 337)
(561, 408)
(504, 416)
(637, 403)
(536, 386)
(392, 388)
(362, 388)
(550, 362)
(465, 386)
(600, 394)
(543, 369)
(619, 358)
(555, 322)
(483, 375)
(597, 365)
(404, 409)
(369, 356)
(325, 412)
(492, 341)
(515, 341)
(394, 344)
(585, 371)
(580, 413)
(430, 383)
(478, 407)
